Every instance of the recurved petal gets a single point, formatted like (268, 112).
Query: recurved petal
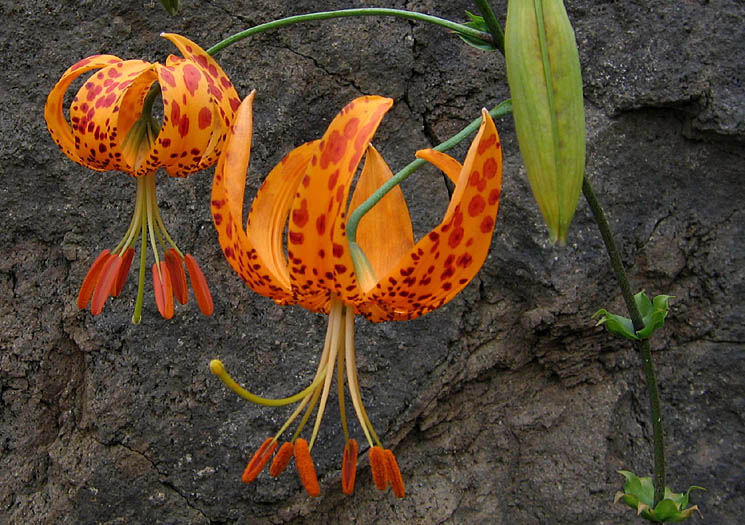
(320, 262)
(445, 162)
(220, 86)
(133, 79)
(59, 127)
(265, 275)
(97, 108)
(271, 208)
(188, 119)
(442, 263)
(384, 233)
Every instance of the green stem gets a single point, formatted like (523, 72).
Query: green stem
(491, 22)
(366, 11)
(502, 109)
(646, 353)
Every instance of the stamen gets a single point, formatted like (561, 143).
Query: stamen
(308, 412)
(91, 278)
(340, 392)
(121, 277)
(178, 277)
(394, 474)
(163, 289)
(217, 368)
(259, 460)
(105, 283)
(199, 285)
(354, 388)
(305, 468)
(337, 334)
(282, 459)
(378, 467)
(349, 466)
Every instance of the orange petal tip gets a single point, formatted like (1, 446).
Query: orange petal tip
(259, 460)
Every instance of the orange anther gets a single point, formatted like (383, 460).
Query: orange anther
(259, 460)
(199, 285)
(306, 469)
(178, 277)
(282, 459)
(105, 283)
(378, 468)
(121, 277)
(91, 278)
(349, 466)
(163, 290)
(394, 474)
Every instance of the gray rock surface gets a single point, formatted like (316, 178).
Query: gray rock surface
(506, 406)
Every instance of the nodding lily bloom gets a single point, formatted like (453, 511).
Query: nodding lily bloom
(111, 128)
(307, 193)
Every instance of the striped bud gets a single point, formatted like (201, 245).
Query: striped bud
(546, 88)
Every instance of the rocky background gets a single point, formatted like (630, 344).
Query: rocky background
(506, 406)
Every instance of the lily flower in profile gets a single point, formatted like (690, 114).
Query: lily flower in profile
(398, 279)
(111, 128)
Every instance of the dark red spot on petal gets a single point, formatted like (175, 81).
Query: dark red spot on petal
(476, 206)
(487, 224)
(455, 237)
(300, 215)
(192, 76)
(205, 118)
(494, 196)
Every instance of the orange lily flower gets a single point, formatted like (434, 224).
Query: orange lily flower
(307, 193)
(111, 127)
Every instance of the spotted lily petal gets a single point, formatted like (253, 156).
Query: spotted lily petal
(257, 258)
(320, 262)
(442, 263)
(220, 86)
(59, 127)
(384, 233)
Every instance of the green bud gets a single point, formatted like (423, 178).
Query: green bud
(546, 87)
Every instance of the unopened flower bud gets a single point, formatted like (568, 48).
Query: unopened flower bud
(546, 88)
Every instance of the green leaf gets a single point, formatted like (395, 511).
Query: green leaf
(639, 495)
(653, 314)
(616, 324)
(477, 22)
(666, 510)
